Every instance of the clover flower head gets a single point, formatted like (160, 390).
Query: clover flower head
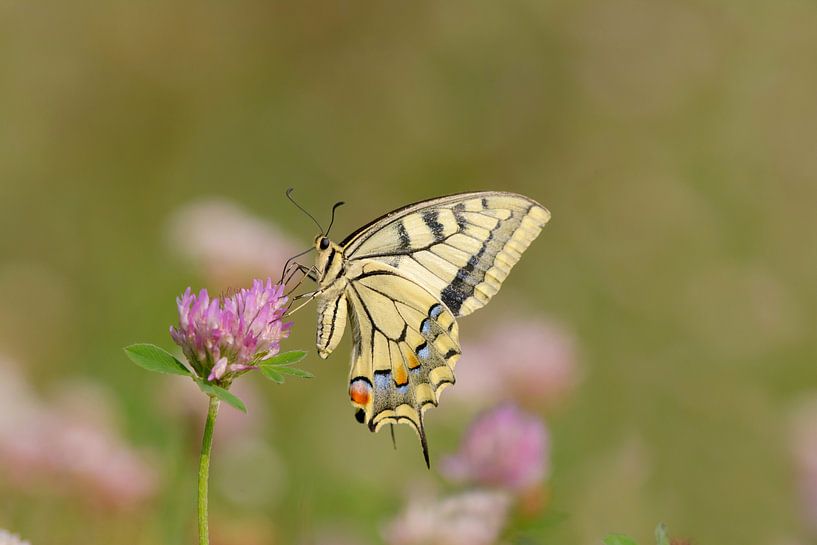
(223, 337)
(505, 448)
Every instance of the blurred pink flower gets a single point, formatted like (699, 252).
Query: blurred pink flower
(530, 361)
(7, 538)
(504, 447)
(224, 337)
(470, 518)
(804, 450)
(67, 442)
(227, 242)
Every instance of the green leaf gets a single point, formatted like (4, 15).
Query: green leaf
(661, 537)
(619, 539)
(295, 372)
(285, 358)
(273, 374)
(153, 358)
(224, 395)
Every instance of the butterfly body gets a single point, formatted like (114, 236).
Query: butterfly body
(402, 281)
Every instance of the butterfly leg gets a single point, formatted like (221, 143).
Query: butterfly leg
(307, 273)
(309, 295)
(289, 272)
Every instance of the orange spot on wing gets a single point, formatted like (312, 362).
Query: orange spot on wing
(400, 375)
(360, 392)
(413, 362)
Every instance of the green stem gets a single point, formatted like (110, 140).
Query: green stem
(204, 469)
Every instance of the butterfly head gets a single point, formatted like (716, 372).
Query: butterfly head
(328, 261)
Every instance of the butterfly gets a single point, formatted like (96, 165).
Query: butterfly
(402, 281)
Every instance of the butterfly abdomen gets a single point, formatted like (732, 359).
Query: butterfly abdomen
(332, 312)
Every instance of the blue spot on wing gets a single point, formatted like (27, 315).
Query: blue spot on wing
(424, 351)
(435, 311)
(425, 327)
(381, 381)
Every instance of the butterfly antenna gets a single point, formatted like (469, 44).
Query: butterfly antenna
(301, 208)
(393, 440)
(332, 221)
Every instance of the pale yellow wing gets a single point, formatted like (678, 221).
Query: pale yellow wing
(460, 247)
(405, 347)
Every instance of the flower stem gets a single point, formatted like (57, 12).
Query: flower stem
(204, 469)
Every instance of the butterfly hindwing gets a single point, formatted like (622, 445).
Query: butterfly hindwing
(460, 247)
(405, 346)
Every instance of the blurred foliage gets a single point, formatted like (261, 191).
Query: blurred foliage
(661, 538)
(675, 142)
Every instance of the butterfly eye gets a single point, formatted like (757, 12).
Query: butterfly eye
(324, 243)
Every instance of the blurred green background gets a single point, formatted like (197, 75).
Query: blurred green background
(675, 143)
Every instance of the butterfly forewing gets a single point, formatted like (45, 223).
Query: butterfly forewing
(460, 248)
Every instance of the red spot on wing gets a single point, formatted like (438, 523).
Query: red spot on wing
(360, 392)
